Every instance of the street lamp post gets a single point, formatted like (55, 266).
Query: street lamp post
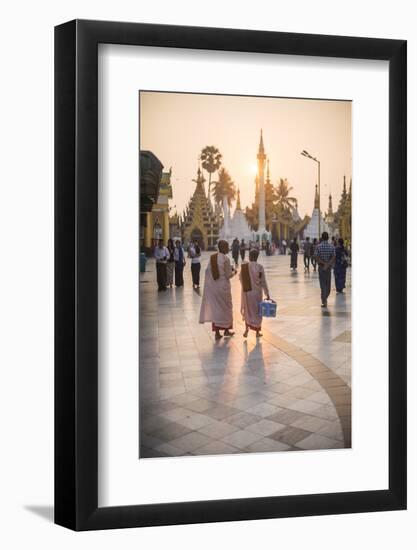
(307, 155)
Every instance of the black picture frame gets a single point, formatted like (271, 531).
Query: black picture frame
(76, 272)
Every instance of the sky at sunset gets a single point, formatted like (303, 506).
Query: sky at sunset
(177, 126)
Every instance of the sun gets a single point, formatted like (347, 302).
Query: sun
(253, 168)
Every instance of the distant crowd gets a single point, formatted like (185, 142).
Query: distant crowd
(171, 260)
(321, 255)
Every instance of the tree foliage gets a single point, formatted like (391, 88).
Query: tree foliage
(283, 201)
(224, 187)
(211, 160)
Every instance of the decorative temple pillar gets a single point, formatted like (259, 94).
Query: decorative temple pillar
(148, 231)
(165, 227)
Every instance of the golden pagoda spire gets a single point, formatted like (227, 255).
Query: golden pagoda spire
(344, 193)
(316, 198)
(200, 181)
(261, 150)
(238, 207)
(330, 210)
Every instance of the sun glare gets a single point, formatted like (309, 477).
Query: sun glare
(253, 169)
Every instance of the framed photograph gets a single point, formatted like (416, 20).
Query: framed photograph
(230, 275)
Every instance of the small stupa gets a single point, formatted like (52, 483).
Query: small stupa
(236, 226)
(314, 228)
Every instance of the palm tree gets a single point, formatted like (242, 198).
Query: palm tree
(251, 214)
(224, 192)
(283, 201)
(270, 206)
(211, 160)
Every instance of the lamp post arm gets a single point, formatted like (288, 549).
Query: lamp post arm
(318, 165)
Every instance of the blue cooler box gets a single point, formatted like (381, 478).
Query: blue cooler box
(267, 308)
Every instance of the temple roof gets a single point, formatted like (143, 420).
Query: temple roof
(199, 188)
(199, 203)
(165, 187)
(150, 179)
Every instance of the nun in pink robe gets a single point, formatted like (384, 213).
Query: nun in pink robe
(216, 305)
(253, 281)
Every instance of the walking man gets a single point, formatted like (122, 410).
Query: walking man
(161, 255)
(194, 253)
(179, 264)
(235, 250)
(308, 252)
(325, 256)
(294, 247)
(242, 249)
(313, 254)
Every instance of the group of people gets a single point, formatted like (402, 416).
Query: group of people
(327, 256)
(238, 249)
(216, 305)
(171, 260)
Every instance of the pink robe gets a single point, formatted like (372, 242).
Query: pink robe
(250, 300)
(216, 305)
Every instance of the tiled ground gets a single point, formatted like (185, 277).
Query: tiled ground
(288, 391)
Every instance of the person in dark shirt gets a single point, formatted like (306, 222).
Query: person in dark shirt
(179, 259)
(242, 249)
(235, 250)
(313, 253)
(170, 263)
(308, 252)
(325, 255)
(340, 266)
(294, 247)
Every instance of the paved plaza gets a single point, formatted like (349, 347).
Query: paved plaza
(287, 391)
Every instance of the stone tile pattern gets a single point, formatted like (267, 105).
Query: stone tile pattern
(288, 391)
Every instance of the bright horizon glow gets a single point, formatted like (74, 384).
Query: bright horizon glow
(253, 169)
(177, 126)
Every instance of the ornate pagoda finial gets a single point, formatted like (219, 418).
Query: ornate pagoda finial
(200, 181)
(238, 207)
(261, 150)
(330, 211)
(316, 198)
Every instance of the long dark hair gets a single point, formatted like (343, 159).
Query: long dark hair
(170, 244)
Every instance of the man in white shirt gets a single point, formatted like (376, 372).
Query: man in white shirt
(194, 253)
(179, 259)
(161, 255)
